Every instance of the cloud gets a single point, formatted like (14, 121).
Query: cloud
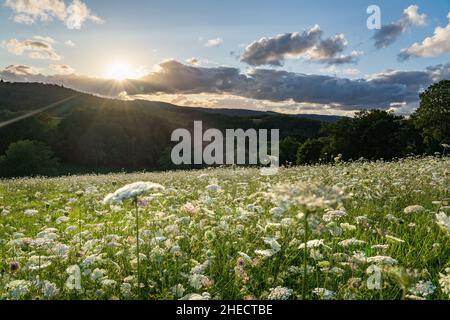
(78, 13)
(62, 69)
(194, 61)
(308, 45)
(37, 48)
(20, 70)
(432, 46)
(389, 33)
(69, 43)
(214, 42)
(269, 87)
(30, 11)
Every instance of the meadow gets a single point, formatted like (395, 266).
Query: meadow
(361, 230)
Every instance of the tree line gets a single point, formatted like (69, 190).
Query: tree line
(91, 134)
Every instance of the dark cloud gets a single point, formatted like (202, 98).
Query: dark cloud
(378, 91)
(389, 33)
(308, 45)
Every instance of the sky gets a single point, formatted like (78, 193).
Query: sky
(287, 56)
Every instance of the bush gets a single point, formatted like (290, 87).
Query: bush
(28, 158)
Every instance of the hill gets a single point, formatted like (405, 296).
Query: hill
(92, 132)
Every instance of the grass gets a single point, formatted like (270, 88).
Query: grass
(196, 242)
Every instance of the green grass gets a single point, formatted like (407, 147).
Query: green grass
(215, 228)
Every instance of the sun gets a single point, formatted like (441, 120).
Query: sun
(120, 70)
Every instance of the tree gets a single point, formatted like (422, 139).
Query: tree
(433, 115)
(312, 151)
(288, 150)
(373, 134)
(28, 158)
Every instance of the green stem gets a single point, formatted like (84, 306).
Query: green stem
(305, 257)
(137, 246)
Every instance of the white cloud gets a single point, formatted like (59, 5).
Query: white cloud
(69, 43)
(78, 13)
(432, 46)
(214, 42)
(62, 69)
(37, 48)
(20, 70)
(194, 61)
(30, 11)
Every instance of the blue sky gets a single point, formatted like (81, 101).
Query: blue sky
(141, 34)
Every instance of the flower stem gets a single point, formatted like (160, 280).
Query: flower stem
(137, 246)
(305, 257)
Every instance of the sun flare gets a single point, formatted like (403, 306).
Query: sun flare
(120, 70)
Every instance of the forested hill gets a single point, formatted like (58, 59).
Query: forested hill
(93, 132)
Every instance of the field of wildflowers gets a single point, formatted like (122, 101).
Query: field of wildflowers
(364, 230)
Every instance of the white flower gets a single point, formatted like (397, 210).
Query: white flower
(423, 289)
(444, 282)
(413, 209)
(131, 191)
(98, 274)
(31, 212)
(351, 242)
(332, 215)
(178, 290)
(280, 293)
(348, 227)
(18, 288)
(313, 244)
(324, 294)
(108, 283)
(213, 188)
(382, 260)
(264, 253)
(49, 289)
(277, 211)
(196, 296)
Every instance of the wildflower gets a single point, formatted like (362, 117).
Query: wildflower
(313, 244)
(324, 294)
(189, 208)
(347, 227)
(380, 246)
(423, 289)
(413, 209)
(131, 191)
(351, 242)
(444, 282)
(14, 266)
(280, 293)
(213, 188)
(277, 211)
(31, 212)
(98, 274)
(382, 260)
(178, 290)
(49, 289)
(18, 288)
(332, 215)
(108, 283)
(196, 296)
